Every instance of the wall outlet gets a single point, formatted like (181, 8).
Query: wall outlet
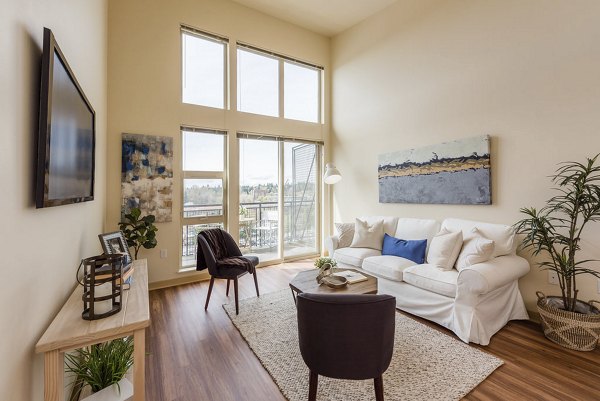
(163, 253)
(552, 277)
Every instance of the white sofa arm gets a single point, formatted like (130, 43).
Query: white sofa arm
(331, 244)
(486, 277)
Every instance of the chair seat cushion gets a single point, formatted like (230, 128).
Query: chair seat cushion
(430, 278)
(386, 266)
(354, 256)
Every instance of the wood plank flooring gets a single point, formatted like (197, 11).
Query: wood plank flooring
(195, 355)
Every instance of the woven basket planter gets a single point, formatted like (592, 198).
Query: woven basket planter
(577, 331)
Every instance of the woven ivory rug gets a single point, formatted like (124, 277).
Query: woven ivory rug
(426, 365)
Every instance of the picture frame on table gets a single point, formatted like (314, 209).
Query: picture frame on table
(115, 242)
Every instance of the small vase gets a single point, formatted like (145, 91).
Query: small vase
(113, 393)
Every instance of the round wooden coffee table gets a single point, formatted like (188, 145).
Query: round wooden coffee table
(306, 281)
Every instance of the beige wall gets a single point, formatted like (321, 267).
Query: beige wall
(145, 94)
(41, 248)
(421, 73)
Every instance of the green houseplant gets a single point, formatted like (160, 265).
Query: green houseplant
(100, 365)
(139, 231)
(554, 232)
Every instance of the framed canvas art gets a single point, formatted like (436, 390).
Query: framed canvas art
(456, 172)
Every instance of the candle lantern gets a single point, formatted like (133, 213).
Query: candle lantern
(101, 283)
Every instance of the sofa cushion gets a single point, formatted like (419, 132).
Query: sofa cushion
(502, 235)
(444, 249)
(345, 234)
(389, 223)
(476, 249)
(417, 229)
(368, 235)
(354, 256)
(412, 249)
(430, 278)
(390, 267)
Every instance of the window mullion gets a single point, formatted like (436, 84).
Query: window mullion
(281, 89)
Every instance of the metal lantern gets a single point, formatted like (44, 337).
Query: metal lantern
(101, 285)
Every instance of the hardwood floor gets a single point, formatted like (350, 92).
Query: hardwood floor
(195, 355)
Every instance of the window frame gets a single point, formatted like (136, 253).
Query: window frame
(198, 174)
(211, 37)
(282, 59)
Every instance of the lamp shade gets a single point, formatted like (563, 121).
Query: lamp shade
(332, 174)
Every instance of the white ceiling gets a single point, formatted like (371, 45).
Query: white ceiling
(327, 17)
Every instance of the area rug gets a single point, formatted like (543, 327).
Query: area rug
(426, 365)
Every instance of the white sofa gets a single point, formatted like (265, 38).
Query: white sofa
(474, 303)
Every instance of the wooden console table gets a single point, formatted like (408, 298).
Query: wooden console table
(69, 331)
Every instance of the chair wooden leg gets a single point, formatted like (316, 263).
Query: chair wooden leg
(378, 388)
(210, 287)
(256, 283)
(235, 289)
(313, 383)
(227, 293)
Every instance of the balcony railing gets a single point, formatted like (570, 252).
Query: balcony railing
(258, 225)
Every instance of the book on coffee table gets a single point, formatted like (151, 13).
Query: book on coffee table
(352, 277)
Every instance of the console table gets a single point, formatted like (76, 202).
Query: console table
(69, 331)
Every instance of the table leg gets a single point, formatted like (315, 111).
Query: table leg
(54, 371)
(294, 295)
(139, 365)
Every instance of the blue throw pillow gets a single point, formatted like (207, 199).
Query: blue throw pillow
(408, 249)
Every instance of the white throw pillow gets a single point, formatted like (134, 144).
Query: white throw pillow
(368, 235)
(345, 234)
(476, 249)
(444, 249)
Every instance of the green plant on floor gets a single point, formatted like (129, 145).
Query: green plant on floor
(555, 230)
(139, 231)
(101, 365)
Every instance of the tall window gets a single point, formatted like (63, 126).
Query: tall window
(262, 91)
(204, 186)
(204, 60)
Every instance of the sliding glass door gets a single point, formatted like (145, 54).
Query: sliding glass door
(259, 198)
(279, 192)
(300, 199)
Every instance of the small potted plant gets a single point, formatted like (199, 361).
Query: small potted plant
(139, 231)
(555, 232)
(102, 367)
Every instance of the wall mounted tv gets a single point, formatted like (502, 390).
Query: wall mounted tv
(67, 133)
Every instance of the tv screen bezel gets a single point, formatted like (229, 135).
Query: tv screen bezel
(45, 122)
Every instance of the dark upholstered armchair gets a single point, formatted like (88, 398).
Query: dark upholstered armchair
(218, 252)
(346, 337)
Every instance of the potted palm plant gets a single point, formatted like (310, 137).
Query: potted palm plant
(554, 232)
(102, 367)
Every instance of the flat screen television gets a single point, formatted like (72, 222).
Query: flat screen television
(66, 136)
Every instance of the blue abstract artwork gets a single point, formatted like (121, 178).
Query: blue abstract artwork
(456, 172)
(147, 175)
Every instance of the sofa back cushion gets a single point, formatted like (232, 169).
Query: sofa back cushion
(417, 229)
(368, 235)
(389, 223)
(502, 235)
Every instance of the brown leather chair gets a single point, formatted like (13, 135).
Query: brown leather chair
(346, 337)
(218, 252)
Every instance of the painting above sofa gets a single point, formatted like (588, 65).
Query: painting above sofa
(456, 172)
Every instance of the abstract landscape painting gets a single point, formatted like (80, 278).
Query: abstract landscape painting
(456, 172)
(147, 175)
